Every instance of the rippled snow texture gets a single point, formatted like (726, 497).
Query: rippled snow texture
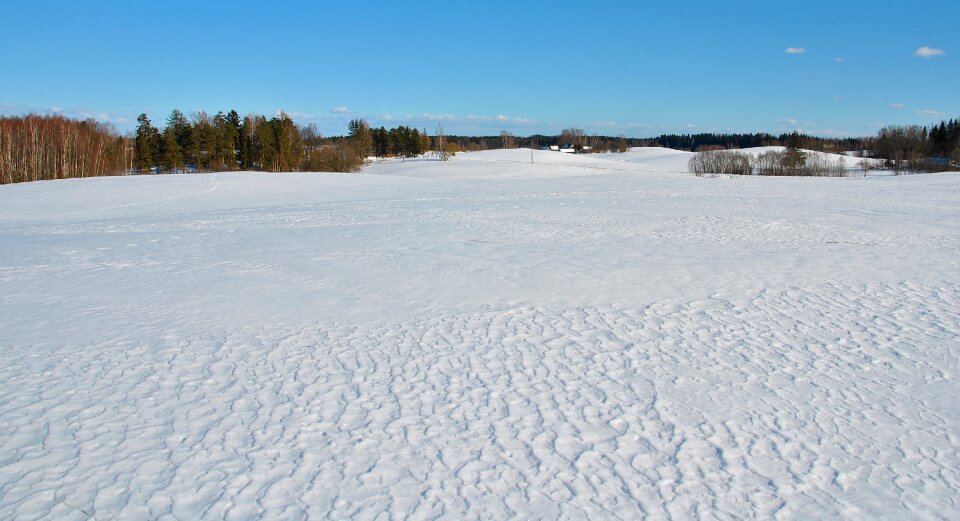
(146, 382)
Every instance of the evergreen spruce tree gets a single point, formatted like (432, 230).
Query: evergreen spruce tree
(266, 145)
(794, 158)
(381, 142)
(193, 150)
(206, 139)
(172, 158)
(247, 142)
(424, 141)
(414, 143)
(181, 127)
(234, 119)
(146, 143)
(360, 132)
(224, 136)
(394, 142)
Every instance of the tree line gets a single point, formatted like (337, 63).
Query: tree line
(690, 142)
(226, 142)
(913, 148)
(400, 141)
(37, 147)
(575, 137)
(712, 141)
(34, 148)
(791, 161)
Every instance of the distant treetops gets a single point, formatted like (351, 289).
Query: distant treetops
(36, 147)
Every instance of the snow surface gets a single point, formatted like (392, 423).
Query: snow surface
(581, 337)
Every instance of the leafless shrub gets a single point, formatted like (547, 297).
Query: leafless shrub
(817, 164)
(720, 162)
(770, 163)
(338, 156)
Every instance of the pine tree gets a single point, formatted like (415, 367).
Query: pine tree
(234, 119)
(287, 139)
(794, 159)
(381, 142)
(414, 143)
(146, 143)
(360, 132)
(182, 131)
(172, 158)
(248, 136)
(205, 140)
(224, 136)
(266, 146)
(194, 149)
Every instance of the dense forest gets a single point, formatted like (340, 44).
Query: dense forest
(226, 142)
(37, 147)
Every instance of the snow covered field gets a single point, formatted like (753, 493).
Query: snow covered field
(596, 337)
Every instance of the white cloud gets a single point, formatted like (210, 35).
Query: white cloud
(896, 106)
(788, 121)
(301, 116)
(927, 52)
(119, 119)
(602, 127)
(426, 116)
(928, 113)
(839, 59)
(795, 50)
(339, 110)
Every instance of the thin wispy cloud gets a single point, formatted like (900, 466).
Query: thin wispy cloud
(788, 121)
(119, 119)
(896, 106)
(300, 116)
(928, 52)
(427, 116)
(928, 113)
(839, 59)
(795, 50)
(480, 124)
(339, 110)
(617, 126)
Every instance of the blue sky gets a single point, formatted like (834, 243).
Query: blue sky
(634, 68)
